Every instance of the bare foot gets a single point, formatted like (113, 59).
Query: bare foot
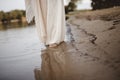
(53, 45)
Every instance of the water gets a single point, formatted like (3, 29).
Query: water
(19, 52)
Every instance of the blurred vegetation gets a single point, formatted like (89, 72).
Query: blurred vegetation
(71, 6)
(101, 4)
(6, 17)
(95, 4)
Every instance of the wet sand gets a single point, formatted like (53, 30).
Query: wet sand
(93, 53)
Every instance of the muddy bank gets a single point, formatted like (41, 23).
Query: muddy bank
(93, 53)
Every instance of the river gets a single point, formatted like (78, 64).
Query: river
(20, 50)
(19, 53)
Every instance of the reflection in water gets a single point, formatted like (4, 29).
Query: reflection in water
(20, 52)
(5, 26)
(53, 64)
(37, 73)
(54, 61)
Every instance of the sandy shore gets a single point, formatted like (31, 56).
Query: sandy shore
(93, 53)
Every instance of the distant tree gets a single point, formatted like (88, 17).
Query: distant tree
(101, 4)
(23, 13)
(1, 15)
(4, 18)
(8, 17)
(71, 6)
(14, 14)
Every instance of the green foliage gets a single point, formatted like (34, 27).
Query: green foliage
(14, 14)
(1, 14)
(101, 4)
(71, 6)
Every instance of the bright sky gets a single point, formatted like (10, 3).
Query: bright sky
(7, 5)
(85, 4)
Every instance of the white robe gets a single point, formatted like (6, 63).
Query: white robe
(49, 19)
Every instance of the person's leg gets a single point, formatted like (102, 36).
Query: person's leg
(53, 45)
(55, 22)
(40, 12)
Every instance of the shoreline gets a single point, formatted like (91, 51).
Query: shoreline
(93, 54)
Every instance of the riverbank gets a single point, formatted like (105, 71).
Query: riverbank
(23, 20)
(91, 54)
